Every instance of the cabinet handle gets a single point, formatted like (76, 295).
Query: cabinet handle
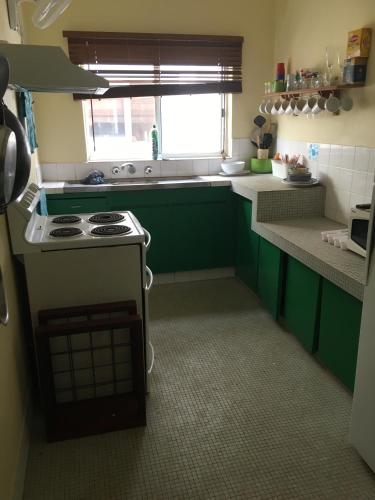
(148, 239)
(151, 279)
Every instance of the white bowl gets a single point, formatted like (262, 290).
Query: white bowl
(232, 167)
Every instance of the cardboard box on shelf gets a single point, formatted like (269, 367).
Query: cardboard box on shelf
(359, 42)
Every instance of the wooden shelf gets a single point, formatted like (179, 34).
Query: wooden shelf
(319, 90)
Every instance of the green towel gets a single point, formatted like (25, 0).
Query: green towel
(26, 112)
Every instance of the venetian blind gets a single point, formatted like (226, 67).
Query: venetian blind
(148, 64)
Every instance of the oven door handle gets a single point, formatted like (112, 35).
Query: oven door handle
(151, 279)
(148, 239)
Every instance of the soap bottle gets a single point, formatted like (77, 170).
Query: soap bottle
(155, 143)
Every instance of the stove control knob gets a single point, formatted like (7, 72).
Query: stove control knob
(148, 170)
(115, 170)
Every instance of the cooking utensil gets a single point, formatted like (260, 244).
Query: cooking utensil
(8, 155)
(8, 146)
(259, 121)
(255, 136)
(267, 140)
(23, 153)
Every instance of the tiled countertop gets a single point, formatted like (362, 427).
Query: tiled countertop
(291, 218)
(300, 238)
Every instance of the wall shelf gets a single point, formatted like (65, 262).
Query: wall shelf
(335, 89)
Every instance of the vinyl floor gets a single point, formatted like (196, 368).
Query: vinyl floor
(237, 410)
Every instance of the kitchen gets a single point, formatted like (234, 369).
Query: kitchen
(237, 406)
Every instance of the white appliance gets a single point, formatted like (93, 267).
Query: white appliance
(358, 229)
(81, 259)
(362, 433)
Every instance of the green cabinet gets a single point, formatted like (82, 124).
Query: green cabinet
(247, 244)
(270, 274)
(301, 303)
(58, 204)
(191, 228)
(152, 209)
(340, 321)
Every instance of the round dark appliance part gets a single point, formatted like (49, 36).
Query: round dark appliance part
(67, 219)
(106, 218)
(112, 230)
(65, 232)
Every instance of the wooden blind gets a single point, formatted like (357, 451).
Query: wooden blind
(148, 64)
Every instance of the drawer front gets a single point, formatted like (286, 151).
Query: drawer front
(76, 205)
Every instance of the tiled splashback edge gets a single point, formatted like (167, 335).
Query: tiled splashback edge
(242, 149)
(347, 172)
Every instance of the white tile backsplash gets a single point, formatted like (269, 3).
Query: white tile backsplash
(242, 149)
(361, 159)
(214, 166)
(335, 157)
(200, 167)
(347, 172)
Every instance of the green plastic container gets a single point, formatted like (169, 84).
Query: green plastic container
(260, 166)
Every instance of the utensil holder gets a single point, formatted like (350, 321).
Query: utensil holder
(262, 154)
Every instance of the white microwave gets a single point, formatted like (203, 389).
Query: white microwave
(359, 220)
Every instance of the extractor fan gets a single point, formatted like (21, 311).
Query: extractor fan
(47, 11)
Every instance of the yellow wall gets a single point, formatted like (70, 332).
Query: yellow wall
(303, 30)
(14, 387)
(59, 120)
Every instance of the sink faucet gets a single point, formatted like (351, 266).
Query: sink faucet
(148, 170)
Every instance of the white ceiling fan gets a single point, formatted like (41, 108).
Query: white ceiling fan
(46, 12)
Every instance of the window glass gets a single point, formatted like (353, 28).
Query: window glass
(119, 128)
(188, 125)
(191, 124)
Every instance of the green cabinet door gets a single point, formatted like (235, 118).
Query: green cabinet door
(270, 269)
(340, 322)
(302, 303)
(247, 244)
(156, 221)
(152, 209)
(202, 229)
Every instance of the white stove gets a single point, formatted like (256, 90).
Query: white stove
(84, 230)
(81, 259)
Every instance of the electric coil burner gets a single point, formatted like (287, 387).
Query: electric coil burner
(107, 218)
(67, 219)
(64, 232)
(111, 230)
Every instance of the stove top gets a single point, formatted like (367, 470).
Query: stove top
(84, 230)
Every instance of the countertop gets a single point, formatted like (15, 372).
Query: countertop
(289, 217)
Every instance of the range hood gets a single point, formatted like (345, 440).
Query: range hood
(41, 68)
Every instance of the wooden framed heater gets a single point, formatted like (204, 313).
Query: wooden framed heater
(91, 369)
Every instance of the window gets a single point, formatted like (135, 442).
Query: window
(188, 126)
(189, 79)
